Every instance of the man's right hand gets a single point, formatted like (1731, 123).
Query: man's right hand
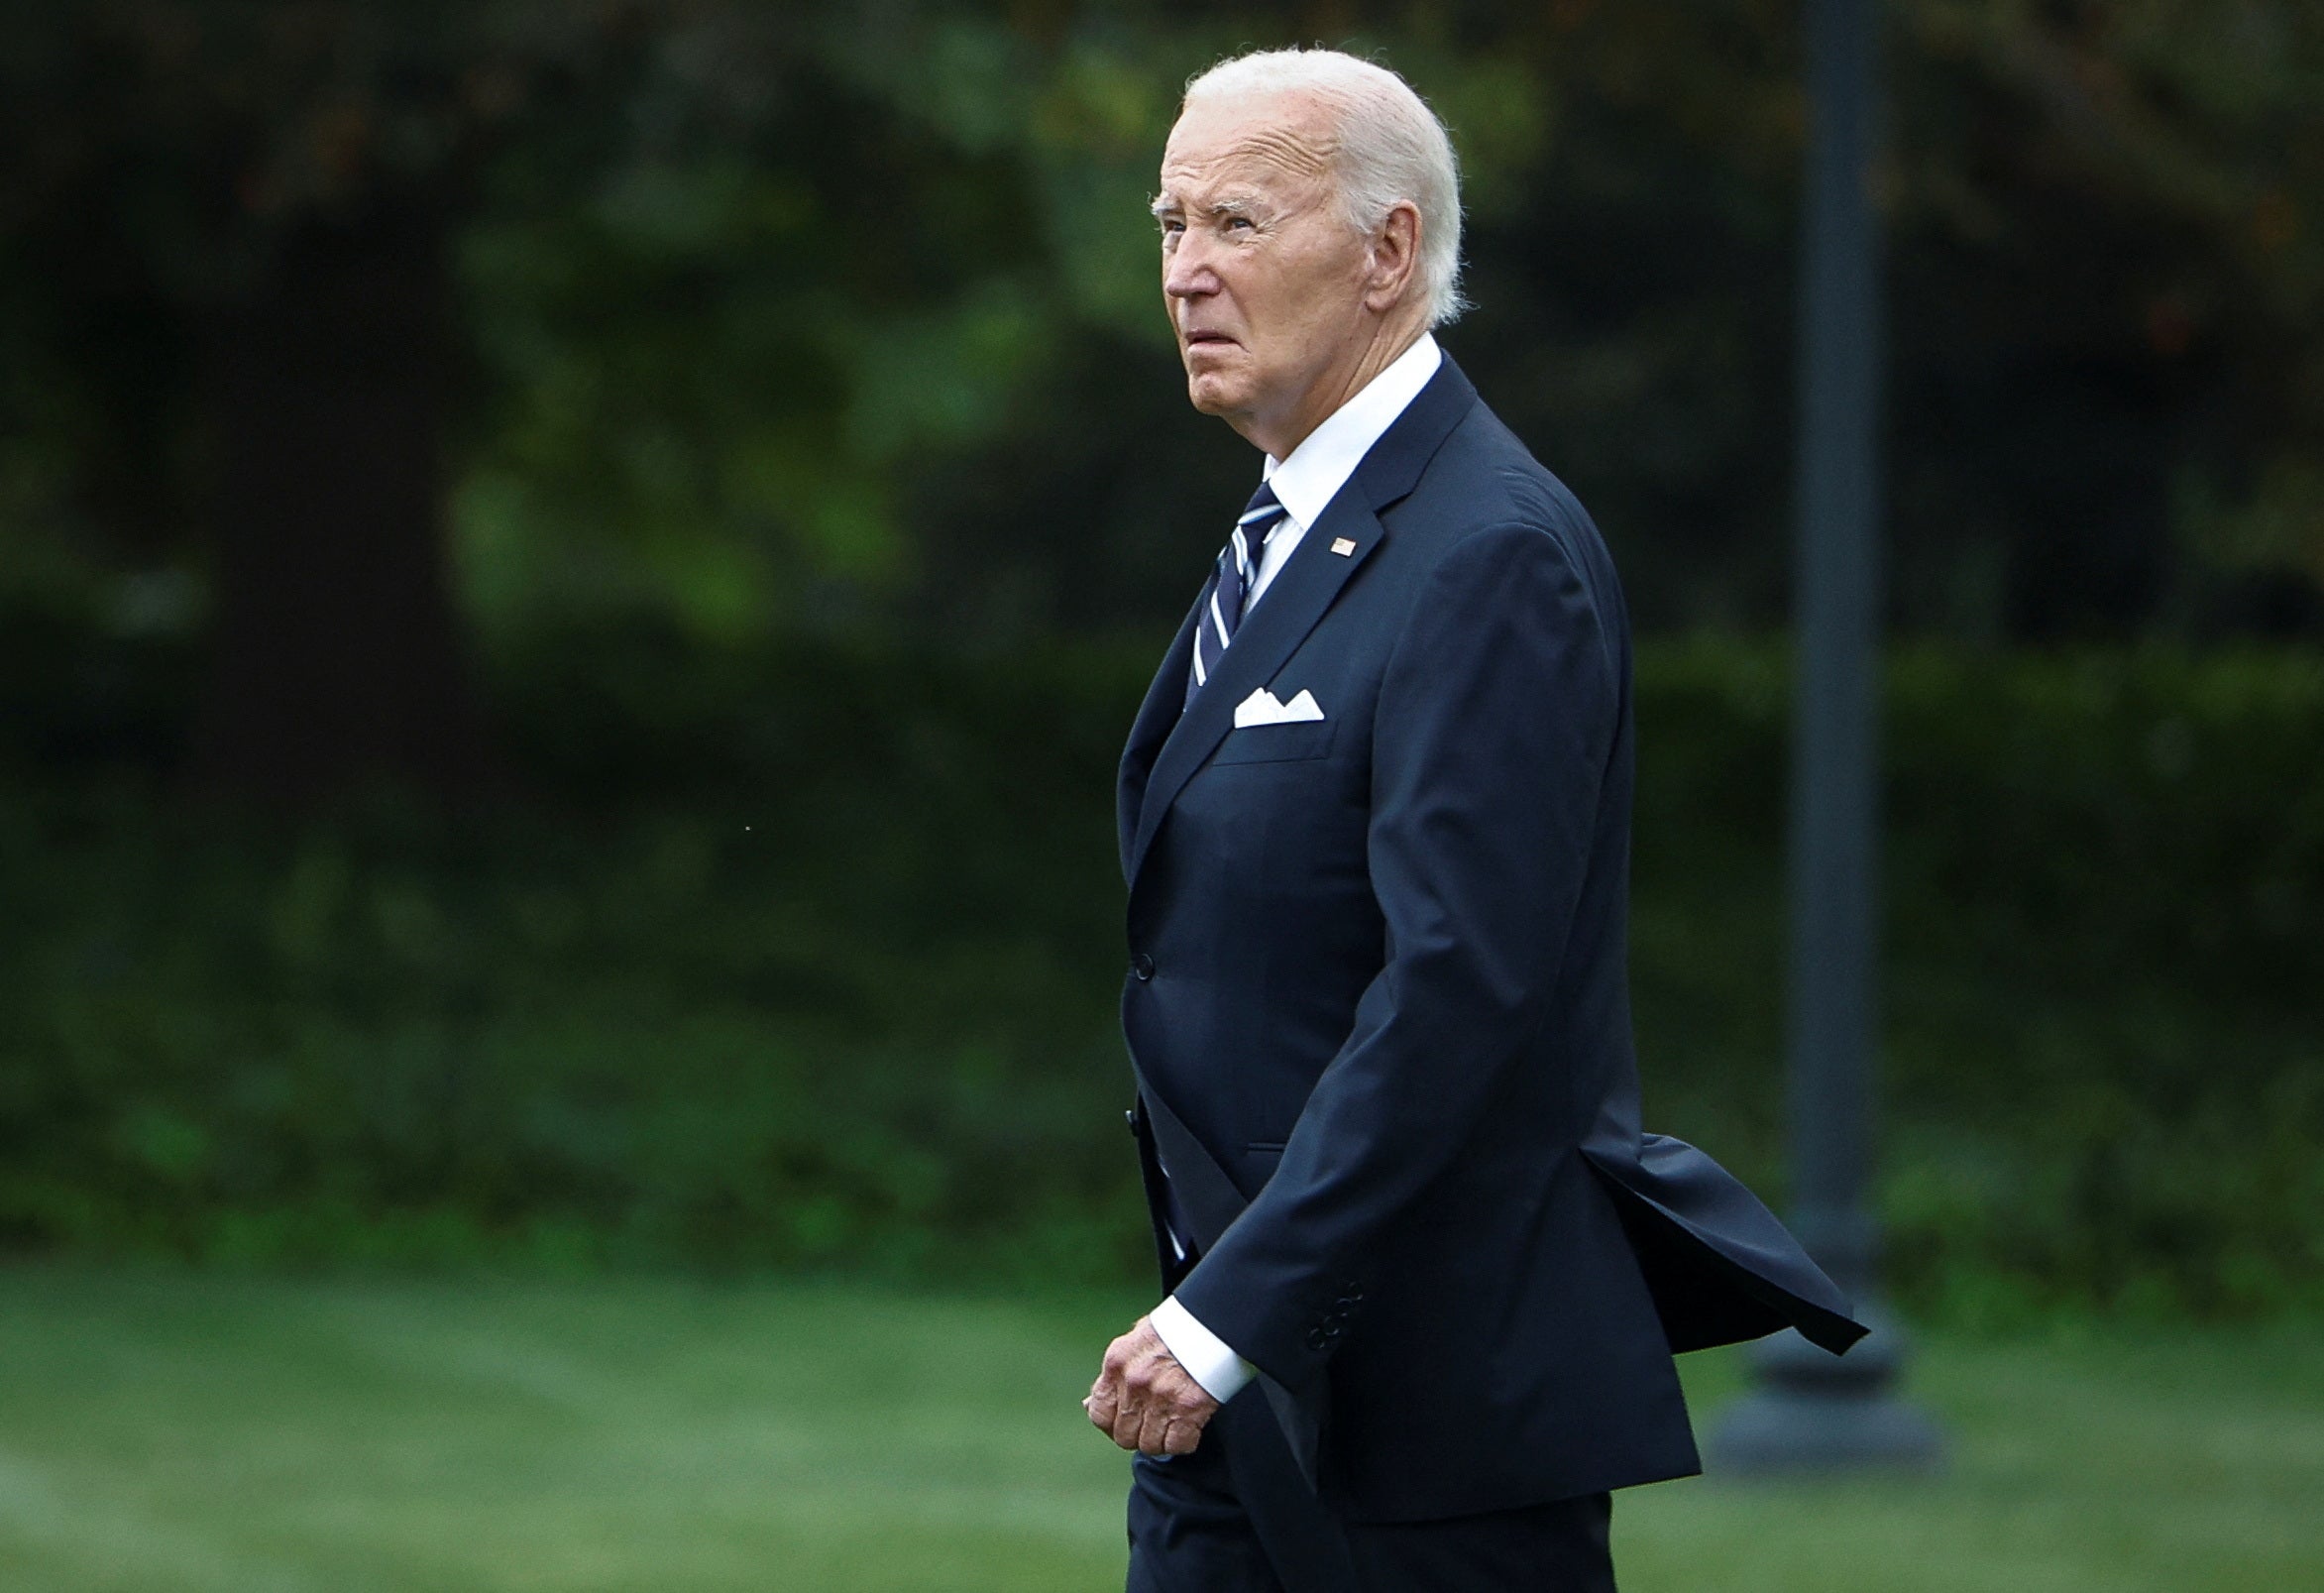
(1145, 1400)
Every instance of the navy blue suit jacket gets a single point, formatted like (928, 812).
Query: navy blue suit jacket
(1378, 1011)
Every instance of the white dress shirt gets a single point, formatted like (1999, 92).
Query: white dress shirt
(1304, 484)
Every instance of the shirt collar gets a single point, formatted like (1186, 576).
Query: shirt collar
(1320, 466)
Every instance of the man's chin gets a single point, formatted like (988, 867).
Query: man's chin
(1212, 393)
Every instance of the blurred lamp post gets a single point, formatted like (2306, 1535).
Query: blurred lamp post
(1812, 1411)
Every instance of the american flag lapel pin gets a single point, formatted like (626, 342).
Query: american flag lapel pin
(1343, 545)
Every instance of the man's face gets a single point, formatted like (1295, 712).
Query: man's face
(1264, 279)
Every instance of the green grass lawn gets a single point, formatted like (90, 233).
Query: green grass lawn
(164, 1434)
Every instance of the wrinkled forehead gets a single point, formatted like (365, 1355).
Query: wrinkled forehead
(1276, 144)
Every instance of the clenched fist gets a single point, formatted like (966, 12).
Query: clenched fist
(1143, 1399)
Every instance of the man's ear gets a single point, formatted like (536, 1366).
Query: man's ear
(1396, 259)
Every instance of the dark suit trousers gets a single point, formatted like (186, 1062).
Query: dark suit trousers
(1235, 1516)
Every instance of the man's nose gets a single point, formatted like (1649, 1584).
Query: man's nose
(1186, 273)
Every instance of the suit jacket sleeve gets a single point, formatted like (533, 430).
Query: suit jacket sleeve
(1494, 724)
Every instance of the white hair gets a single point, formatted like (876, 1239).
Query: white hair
(1392, 150)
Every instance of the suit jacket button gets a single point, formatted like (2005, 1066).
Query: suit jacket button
(1317, 1338)
(1141, 966)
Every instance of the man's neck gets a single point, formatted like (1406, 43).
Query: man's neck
(1277, 435)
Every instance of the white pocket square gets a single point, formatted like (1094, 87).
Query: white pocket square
(1260, 707)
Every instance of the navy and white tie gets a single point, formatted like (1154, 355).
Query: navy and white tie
(1232, 579)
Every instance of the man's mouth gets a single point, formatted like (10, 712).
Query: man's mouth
(1203, 339)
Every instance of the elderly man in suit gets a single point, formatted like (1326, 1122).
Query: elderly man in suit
(1425, 1272)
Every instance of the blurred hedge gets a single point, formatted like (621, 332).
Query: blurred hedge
(809, 958)
(2104, 1043)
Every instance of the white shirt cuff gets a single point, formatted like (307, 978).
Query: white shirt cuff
(1205, 1356)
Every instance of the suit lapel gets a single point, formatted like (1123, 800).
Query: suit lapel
(1288, 608)
(1287, 611)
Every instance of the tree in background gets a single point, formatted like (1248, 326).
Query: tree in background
(2111, 296)
(674, 279)
(384, 319)
(235, 325)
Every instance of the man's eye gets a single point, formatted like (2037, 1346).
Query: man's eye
(1236, 221)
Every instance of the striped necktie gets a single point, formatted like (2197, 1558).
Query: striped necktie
(1231, 578)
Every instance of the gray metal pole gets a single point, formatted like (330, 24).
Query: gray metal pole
(1812, 1410)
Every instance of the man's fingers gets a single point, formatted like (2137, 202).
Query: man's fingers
(1104, 1398)
(1153, 1427)
(1165, 1412)
(1174, 1429)
(1125, 1424)
(1129, 1409)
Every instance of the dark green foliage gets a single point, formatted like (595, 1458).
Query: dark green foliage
(804, 981)
(754, 302)
(809, 958)
(2104, 1047)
